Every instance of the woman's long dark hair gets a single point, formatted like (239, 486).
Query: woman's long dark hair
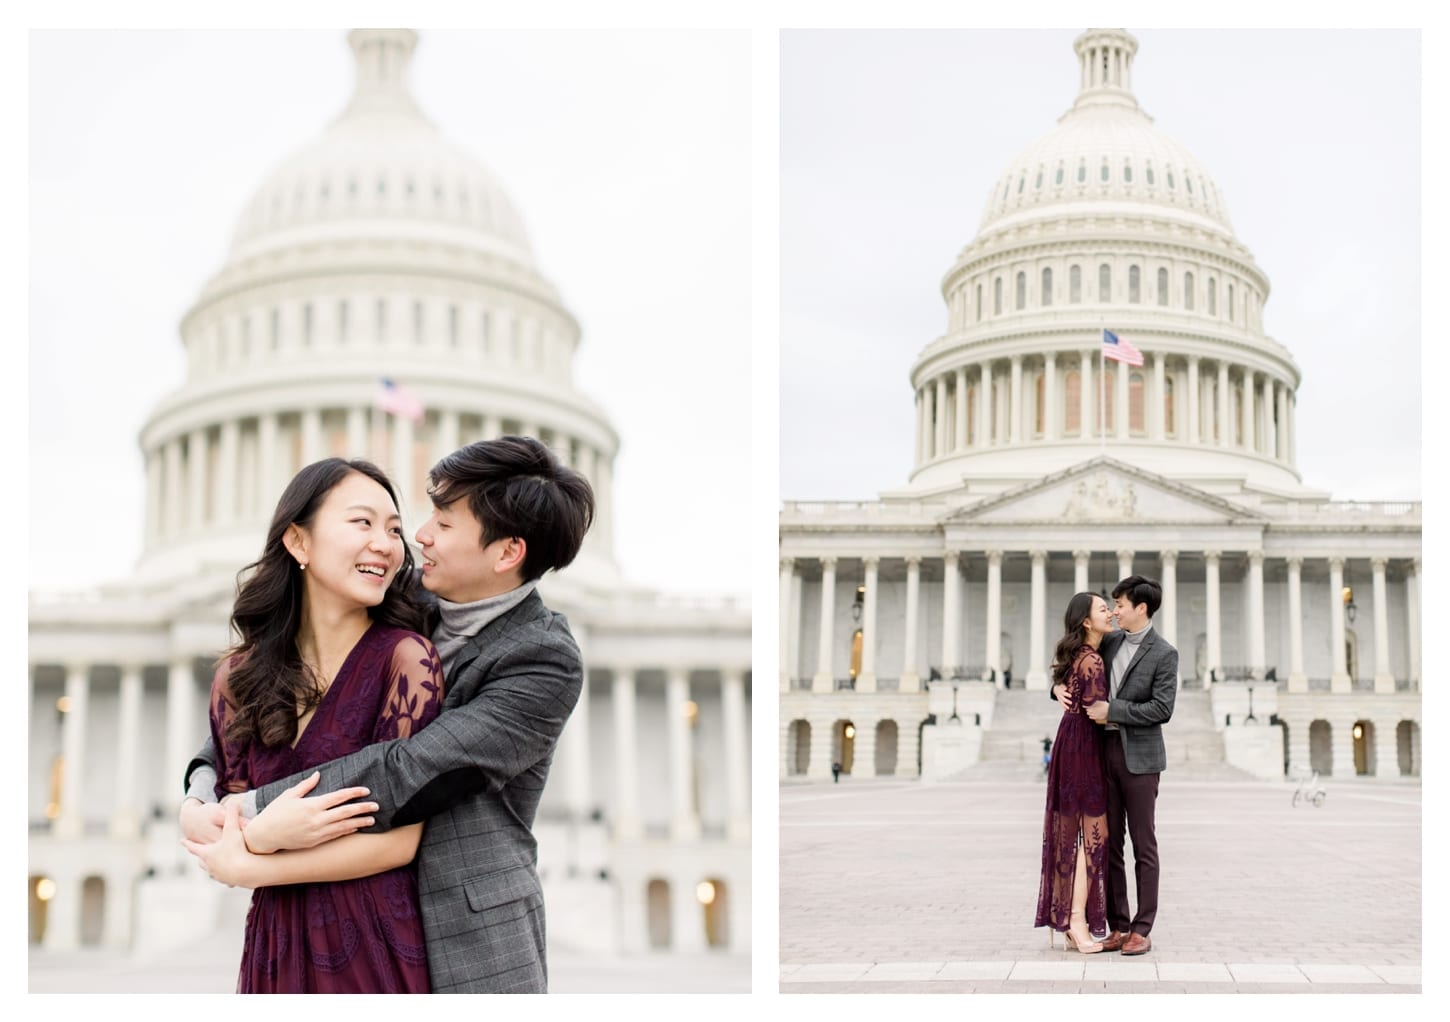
(1073, 638)
(268, 681)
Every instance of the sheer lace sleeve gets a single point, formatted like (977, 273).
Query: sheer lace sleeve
(231, 762)
(414, 692)
(1092, 679)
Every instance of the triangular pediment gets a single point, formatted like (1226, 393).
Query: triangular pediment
(1105, 491)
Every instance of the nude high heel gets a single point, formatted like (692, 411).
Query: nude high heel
(1082, 944)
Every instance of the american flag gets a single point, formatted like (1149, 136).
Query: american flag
(395, 399)
(1114, 347)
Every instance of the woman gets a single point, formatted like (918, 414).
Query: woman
(329, 660)
(1075, 831)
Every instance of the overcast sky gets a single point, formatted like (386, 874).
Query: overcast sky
(145, 146)
(891, 141)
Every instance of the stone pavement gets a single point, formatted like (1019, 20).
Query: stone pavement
(896, 886)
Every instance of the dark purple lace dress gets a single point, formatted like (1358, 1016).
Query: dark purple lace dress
(348, 936)
(1077, 803)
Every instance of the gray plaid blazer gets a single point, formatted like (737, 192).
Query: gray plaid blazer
(1145, 699)
(474, 777)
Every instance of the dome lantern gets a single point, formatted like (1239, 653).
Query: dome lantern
(382, 55)
(1105, 59)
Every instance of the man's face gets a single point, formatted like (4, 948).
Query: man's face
(456, 564)
(1130, 618)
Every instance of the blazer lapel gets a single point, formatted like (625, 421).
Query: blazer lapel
(488, 633)
(1143, 648)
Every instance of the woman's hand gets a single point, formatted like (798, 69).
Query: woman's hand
(201, 821)
(292, 821)
(226, 859)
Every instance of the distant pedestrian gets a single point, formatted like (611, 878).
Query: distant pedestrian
(836, 772)
(1046, 755)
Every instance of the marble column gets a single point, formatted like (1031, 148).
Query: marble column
(920, 426)
(357, 432)
(910, 678)
(1246, 408)
(1194, 419)
(737, 753)
(939, 437)
(402, 458)
(1339, 680)
(312, 447)
(866, 680)
(1384, 681)
(225, 511)
(71, 822)
(173, 484)
(1156, 409)
(1120, 387)
(1293, 431)
(448, 440)
(1211, 587)
(1386, 748)
(1125, 563)
(196, 479)
(1080, 571)
(268, 486)
(1088, 398)
(951, 621)
(1051, 414)
(1167, 619)
(1014, 404)
(1298, 681)
(687, 923)
(126, 814)
(960, 442)
(1225, 427)
(822, 682)
(1037, 669)
(1299, 746)
(1257, 659)
(1281, 434)
(1412, 620)
(574, 747)
(994, 614)
(181, 729)
(788, 620)
(984, 408)
(1341, 744)
(627, 823)
(684, 819)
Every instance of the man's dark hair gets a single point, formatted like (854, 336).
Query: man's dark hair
(516, 487)
(1141, 590)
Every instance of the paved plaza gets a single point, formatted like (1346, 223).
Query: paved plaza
(891, 886)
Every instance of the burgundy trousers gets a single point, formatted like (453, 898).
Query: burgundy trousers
(1132, 799)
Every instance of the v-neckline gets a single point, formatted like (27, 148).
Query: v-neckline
(341, 669)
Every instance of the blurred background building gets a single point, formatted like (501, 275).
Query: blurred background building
(380, 299)
(916, 627)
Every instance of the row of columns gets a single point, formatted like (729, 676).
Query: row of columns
(182, 471)
(1341, 740)
(1165, 620)
(971, 408)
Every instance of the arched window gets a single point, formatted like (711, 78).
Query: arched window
(1038, 185)
(1040, 423)
(1105, 282)
(1212, 297)
(1109, 395)
(1170, 179)
(1021, 181)
(1135, 404)
(1188, 183)
(1081, 171)
(979, 303)
(997, 297)
(1047, 285)
(1127, 172)
(972, 391)
(342, 320)
(1162, 286)
(1230, 303)
(1134, 287)
(1188, 291)
(307, 323)
(1103, 174)
(1059, 174)
(1150, 172)
(1074, 284)
(1236, 414)
(1021, 290)
(1072, 420)
(1168, 427)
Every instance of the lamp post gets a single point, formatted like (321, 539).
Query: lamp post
(954, 702)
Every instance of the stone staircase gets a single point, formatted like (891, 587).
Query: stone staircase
(1012, 747)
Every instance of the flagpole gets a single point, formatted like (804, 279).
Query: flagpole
(1102, 397)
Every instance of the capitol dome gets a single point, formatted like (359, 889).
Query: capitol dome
(379, 252)
(381, 170)
(1105, 152)
(1105, 224)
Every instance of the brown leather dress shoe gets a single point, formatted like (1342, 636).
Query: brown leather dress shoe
(1114, 941)
(1136, 944)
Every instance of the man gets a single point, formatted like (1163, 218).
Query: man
(505, 512)
(1143, 683)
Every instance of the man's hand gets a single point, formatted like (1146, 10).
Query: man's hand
(292, 821)
(226, 859)
(1098, 712)
(201, 821)
(1059, 692)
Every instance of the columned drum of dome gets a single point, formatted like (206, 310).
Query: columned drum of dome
(1105, 222)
